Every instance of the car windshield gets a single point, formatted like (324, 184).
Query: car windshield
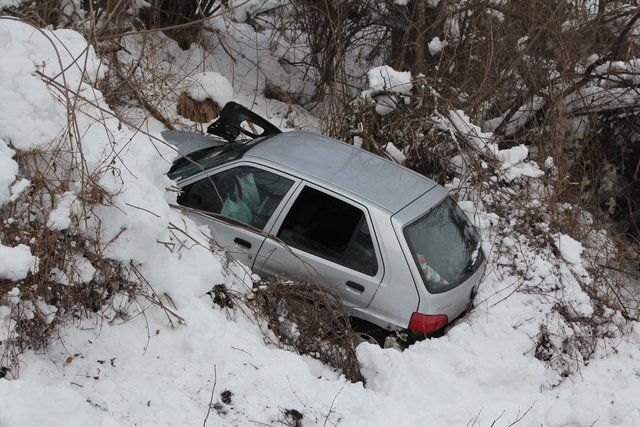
(445, 246)
(207, 158)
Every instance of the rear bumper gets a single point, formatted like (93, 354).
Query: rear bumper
(454, 302)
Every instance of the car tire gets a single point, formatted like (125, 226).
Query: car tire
(368, 332)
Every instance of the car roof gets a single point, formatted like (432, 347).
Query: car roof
(327, 160)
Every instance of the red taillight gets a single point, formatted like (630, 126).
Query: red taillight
(427, 323)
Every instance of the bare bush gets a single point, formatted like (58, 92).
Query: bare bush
(310, 320)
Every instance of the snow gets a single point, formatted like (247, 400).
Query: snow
(385, 84)
(211, 85)
(80, 271)
(30, 403)
(520, 117)
(569, 248)
(59, 218)
(436, 45)
(386, 78)
(512, 160)
(110, 369)
(394, 153)
(16, 262)
(27, 96)
(9, 168)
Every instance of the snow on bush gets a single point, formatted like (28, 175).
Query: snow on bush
(16, 262)
(386, 87)
(210, 85)
(436, 45)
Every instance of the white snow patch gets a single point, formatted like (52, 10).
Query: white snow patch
(60, 217)
(386, 87)
(436, 45)
(9, 169)
(29, 403)
(394, 153)
(16, 262)
(210, 85)
(388, 79)
(18, 188)
(570, 249)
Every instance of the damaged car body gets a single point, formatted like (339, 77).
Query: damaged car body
(390, 243)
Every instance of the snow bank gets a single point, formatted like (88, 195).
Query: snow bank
(126, 164)
(29, 115)
(29, 403)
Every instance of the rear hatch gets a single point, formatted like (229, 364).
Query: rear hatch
(445, 246)
(444, 253)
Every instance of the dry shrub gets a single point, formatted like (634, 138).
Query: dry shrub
(180, 20)
(39, 12)
(197, 111)
(311, 321)
(56, 292)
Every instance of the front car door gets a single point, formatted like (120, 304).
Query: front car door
(239, 204)
(326, 239)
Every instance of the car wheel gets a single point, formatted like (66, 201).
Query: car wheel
(368, 332)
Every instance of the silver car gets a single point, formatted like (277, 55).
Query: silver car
(392, 244)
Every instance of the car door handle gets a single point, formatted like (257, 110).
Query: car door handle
(242, 242)
(357, 286)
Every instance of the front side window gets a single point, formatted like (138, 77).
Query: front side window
(445, 246)
(244, 193)
(330, 228)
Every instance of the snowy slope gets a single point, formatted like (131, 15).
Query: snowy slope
(146, 370)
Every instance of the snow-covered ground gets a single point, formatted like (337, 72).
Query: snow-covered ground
(213, 367)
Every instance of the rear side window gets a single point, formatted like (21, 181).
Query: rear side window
(244, 193)
(330, 228)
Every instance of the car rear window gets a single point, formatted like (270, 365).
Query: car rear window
(208, 158)
(445, 246)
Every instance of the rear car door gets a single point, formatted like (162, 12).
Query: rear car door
(239, 204)
(323, 238)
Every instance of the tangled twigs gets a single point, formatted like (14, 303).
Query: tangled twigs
(312, 321)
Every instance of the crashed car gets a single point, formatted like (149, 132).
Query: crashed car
(392, 244)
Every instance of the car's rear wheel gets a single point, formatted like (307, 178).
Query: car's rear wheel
(368, 332)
